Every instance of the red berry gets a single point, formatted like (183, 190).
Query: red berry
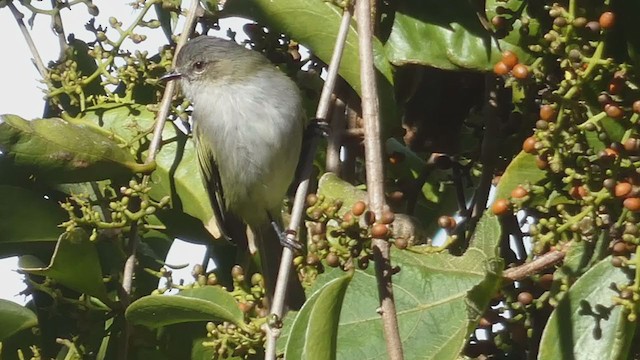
(525, 298)
(379, 231)
(636, 106)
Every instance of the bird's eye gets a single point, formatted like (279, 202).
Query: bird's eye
(198, 67)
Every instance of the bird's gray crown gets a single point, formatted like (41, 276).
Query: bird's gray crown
(211, 57)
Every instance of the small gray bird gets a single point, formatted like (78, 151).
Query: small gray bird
(247, 125)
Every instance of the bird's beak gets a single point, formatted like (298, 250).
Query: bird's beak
(172, 75)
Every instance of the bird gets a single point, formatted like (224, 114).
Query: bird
(248, 124)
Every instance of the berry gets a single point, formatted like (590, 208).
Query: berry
(547, 113)
(312, 199)
(525, 298)
(358, 208)
(631, 145)
(510, 59)
(529, 145)
(613, 111)
(333, 260)
(500, 68)
(519, 192)
(401, 243)
(632, 204)
(622, 189)
(379, 231)
(446, 222)
(607, 20)
(520, 72)
(636, 106)
(500, 207)
(387, 217)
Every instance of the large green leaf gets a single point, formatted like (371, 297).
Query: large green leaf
(56, 151)
(75, 264)
(14, 317)
(315, 24)
(431, 290)
(448, 35)
(207, 303)
(315, 329)
(586, 324)
(177, 173)
(26, 217)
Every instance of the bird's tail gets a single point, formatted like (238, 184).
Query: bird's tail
(268, 245)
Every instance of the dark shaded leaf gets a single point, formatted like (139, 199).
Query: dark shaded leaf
(15, 317)
(75, 264)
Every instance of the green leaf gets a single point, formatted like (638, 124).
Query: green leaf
(177, 173)
(74, 264)
(15, 318)
(207, 303)
(431, 291)
(315, 24)
(521, 170)
(56, 151)
(27, 218)
(586, 324)
(456, 37)
(315, 329)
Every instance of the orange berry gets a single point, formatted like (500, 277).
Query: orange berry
(622, 189)
(529, 145)
(613, 111)
(632, 204)
(607, 20)
(547, 113)
(500, 207)
(500, 68)
(520, 72)
(519, 192)
(510, 59)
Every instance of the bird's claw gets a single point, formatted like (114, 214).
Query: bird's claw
(285, 241)
(319, 127)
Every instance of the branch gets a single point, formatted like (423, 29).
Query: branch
(277, 306)
(32, 46)
(540, 263)
(375, 178)
(154, 146)
(336, 135)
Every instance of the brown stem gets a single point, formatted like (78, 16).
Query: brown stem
(538, 264)
(375, 178)
(334, 142)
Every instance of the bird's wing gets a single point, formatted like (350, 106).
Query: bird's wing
(213, 184)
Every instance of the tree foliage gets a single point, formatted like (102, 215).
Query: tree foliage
(539, 98)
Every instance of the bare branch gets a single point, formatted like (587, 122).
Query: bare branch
(277, 306)
(32, 46)
(375, 178)
(163, 113)
(538, 264)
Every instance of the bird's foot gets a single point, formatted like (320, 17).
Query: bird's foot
(285, 241)
(318, 127)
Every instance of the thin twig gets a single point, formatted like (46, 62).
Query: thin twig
(540, 263)
(375, 178)
(277, 306)
(334, 142)
(32, 46)
(58, 28)
(154, 146)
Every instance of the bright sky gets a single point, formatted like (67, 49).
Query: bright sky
(21, 93)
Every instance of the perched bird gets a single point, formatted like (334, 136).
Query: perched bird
(248, 124)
